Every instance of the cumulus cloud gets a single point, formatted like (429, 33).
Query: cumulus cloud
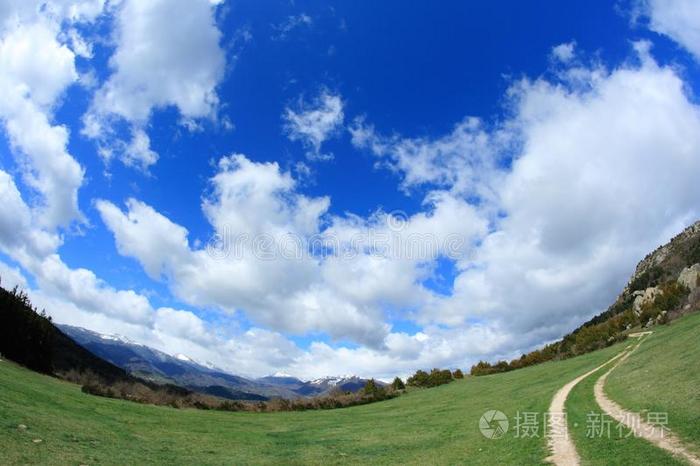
(251, 204)
(271, 269)
(28, 95)
(564, 52)
(162, 58)
(677, 19)
(464, 161)
(314, 122)
(604, 171)
(11, 277)
(543, 212)
(586, 176)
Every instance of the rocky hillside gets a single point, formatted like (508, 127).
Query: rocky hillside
(677, 261)
(664, 286)
(669, 260)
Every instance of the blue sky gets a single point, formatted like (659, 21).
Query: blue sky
(555, 142)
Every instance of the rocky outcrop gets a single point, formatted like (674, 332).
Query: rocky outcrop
(683, 250)
(646, 296)
(690, 277)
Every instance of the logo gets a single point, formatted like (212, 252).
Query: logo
(493, 424)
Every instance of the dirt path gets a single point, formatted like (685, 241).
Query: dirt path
(560, 443)
(662, 438)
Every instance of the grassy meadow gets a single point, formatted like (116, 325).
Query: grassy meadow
(438, 425)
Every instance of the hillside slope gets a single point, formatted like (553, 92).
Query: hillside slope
(664, 286)
(439, 425)
(664, 376)
(31, 339)
(423, 426)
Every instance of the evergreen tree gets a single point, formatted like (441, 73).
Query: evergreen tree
(398, 384)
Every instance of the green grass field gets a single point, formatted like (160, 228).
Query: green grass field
(663, 375)
(438, 425)
(597, 443)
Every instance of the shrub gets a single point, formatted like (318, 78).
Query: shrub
(458, 374)
(373, 389)
(398, 384)
(419, 379)
(439, 377)
(650, 277)
(435, 378)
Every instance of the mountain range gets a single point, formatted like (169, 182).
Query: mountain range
(156, 366)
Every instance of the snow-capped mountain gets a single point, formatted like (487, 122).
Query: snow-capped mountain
(346, 383)
(151, 364)
(180, 369)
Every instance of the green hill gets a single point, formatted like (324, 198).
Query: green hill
(438, 425)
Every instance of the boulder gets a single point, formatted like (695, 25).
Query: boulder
(643, 297)
(689, 276)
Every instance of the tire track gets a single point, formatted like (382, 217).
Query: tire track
(658, 436)
(563, 451)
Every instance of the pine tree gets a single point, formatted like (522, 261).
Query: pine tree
(398, 384)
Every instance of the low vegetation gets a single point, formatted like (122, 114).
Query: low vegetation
(435, 378)
(418, 427)
(609, 327)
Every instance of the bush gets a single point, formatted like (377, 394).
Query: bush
(374, 390)
(435, 378)
(419, 379)
(398, 384)
(650, 277)
(458, 374)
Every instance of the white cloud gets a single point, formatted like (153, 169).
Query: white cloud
(86, 291)
(314, 122)
(18, 235)
(678, 19)
(282, 285)
(464, 161)
(11, 277)
(404, 353)
(28, 76)
(14, 12)
(146, 235)
(167, 54)
(549, 209)
(564, 52)
(249, 201)
(27, 95)
(138, 152)
(605, 171)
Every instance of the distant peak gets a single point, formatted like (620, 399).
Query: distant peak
(115, 337)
